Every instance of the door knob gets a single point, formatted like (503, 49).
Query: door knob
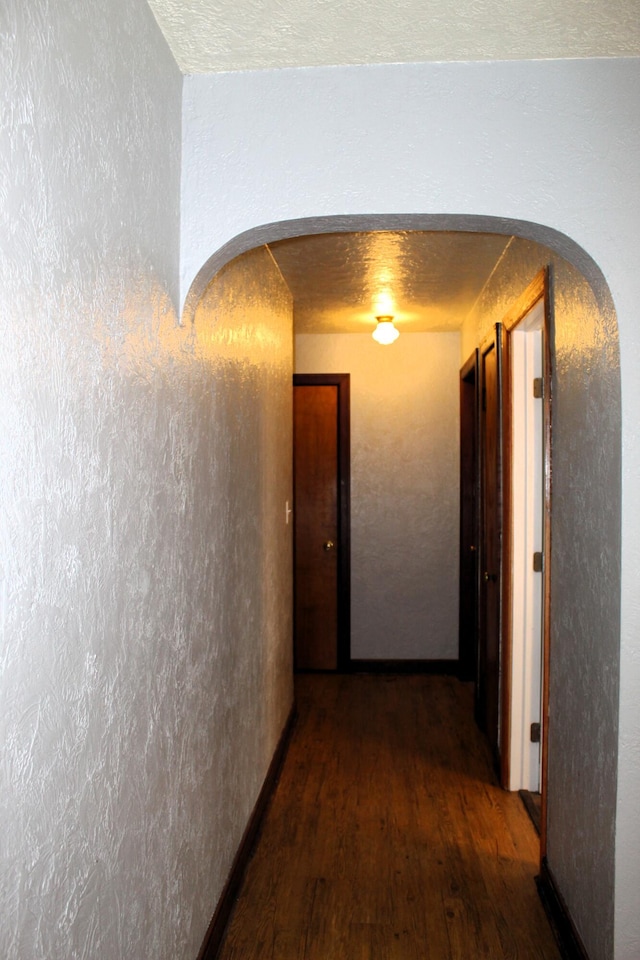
(490, 577)
(328, 545)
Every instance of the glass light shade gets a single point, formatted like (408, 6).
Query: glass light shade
(385, 332)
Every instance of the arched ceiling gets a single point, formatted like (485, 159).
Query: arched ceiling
(208, 36)
(428, 281)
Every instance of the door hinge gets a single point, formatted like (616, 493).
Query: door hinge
(535, 733)
(538, 388)
(538, 562)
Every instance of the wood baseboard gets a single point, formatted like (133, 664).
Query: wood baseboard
(446, 667)
(217, 927)
(571, 946)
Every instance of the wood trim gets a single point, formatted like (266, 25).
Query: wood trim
(217, 928)
(469, 532)
(471, 366)
(506, 619)
(493, 340)
(343, 382)
(500, 336)
(527, 299)
(441, 667)
(547, 335)
(569, 941)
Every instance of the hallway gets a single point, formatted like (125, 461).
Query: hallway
(388, 838)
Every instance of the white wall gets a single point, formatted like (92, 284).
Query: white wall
(110, 576)
(550, 146)
(404, 489)
(144, 666)
(241, 555)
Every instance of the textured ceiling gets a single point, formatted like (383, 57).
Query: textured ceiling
(220, 35)
(429, 281)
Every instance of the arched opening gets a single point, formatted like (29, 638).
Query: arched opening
(585, 578)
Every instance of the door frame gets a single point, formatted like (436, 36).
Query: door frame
(469, 519)
(342, 382)
(492, 341)
(538, 289)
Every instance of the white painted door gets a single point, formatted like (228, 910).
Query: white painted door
(528, 534)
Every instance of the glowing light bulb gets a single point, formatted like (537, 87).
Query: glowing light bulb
(385, 332)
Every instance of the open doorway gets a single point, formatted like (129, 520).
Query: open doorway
(527, 507)
(526, 604)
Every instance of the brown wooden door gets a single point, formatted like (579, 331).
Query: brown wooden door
(468, 602)
(321, 531)
(488, 685)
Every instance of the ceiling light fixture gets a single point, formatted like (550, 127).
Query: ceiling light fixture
(385, 332)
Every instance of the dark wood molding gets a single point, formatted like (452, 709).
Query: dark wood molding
(569, 941)
(527, 299)
(469, 535)
(506, 626)
(217, 927)
(343, 382)
(490, 509)
(470, 368)
(442, 667)
(548, 339)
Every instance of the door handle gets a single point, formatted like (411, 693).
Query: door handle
(328, 545)
(490, 577)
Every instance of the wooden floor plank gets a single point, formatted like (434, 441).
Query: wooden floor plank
(388, 836)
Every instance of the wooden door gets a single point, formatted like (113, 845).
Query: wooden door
(468, 601)
(488, 685)
(321, 541)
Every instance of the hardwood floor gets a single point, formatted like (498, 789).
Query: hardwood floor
(388, 837)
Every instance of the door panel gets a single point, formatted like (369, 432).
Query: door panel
(488, 701)
(316, 527)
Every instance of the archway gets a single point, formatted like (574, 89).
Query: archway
(585, 587)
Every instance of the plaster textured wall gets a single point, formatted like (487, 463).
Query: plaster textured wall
(129, 755)
(216, 35)
(404, 488)
(541, 143)
(244, 334)
(585, 603)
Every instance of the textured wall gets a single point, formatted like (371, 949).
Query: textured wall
(551, 145)
(215, 35)
(244, 570)
(404, 489)
(585, 603)
(129, 757)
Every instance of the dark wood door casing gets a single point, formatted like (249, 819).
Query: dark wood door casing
(316, 527)
(469, 533)
(490, 594)
(321, 522)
